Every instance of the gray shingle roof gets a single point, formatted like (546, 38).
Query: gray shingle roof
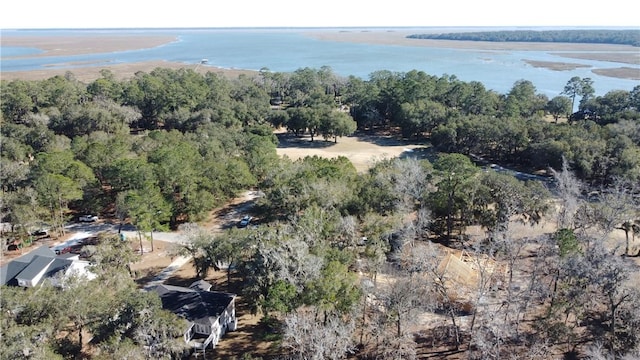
(9, 271)
(194, 304)
(37, 265)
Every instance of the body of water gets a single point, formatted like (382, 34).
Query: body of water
(285, 50)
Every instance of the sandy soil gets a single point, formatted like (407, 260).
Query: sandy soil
(557, 66)
(121, 71)
(361, 149)
(79, 45)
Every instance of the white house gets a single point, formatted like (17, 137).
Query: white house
(42, 263)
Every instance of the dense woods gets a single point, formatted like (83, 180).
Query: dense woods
(343, 263)
(619, 37)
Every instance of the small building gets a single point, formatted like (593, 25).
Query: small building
(42, 263)
(210, 313)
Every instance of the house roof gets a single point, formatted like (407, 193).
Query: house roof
(200, 285)
(29, 266)
(42, 250)
(48, 266)
(58, 265)
(9, 271)
(37, 265)
(194, 304)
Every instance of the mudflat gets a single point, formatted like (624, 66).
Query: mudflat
(93, 44)
(88, 74)
(79, 45)
(399, 37)
(625, 54)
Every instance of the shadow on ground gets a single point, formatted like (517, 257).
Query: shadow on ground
(386, 138)
(147, 275)
(293, 141)
(421, 153)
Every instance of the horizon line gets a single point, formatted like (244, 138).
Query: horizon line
(601, 27)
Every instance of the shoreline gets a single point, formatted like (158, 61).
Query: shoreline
(83, 45)
(95, 43)
(88, 74)
(398, 37)
(619, 54)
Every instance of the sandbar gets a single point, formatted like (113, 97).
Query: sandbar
(399, 37)
(555, 66)
(87, 74)
(91, 44)
(82, 45)
(624, 54)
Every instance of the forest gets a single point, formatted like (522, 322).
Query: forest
(619, 37)
(343, 264)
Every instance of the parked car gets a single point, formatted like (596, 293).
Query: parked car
(88, 218)
(14, 247)
(245, 221)
(62, 250)
(41, 233)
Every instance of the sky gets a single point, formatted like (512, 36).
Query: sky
(52, 14)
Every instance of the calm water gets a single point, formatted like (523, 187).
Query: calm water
(286, 50)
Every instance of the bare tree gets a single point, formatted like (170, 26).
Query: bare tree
(617, 208)
(412, 182)
(397, 348)
(568, 189)
(393, 308)
(608, 275)
(488, 275)
(402, 298)
(309, 339)
(424, 261)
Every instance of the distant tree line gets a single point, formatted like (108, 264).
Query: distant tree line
(619, 37)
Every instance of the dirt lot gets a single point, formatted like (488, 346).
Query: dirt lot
(363, 149)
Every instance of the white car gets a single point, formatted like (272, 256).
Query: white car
(88, 218)
(245, 221)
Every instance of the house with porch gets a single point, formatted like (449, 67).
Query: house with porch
(210, 313)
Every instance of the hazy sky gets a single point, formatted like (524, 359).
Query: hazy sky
(326, 13)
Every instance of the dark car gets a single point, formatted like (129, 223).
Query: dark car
(41, 233)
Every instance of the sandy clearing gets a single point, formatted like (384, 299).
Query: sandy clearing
(362, 150)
